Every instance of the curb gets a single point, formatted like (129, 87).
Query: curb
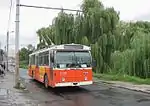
(148, 92)
(121, 86)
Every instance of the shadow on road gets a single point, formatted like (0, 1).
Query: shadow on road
(60, 90)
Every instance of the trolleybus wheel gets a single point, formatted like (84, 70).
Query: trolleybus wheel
(46, 81)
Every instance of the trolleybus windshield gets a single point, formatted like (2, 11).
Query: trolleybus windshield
(73, 59)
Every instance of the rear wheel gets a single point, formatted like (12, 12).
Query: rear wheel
(46, 81)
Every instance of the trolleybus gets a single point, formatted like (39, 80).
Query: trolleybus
(62, 65)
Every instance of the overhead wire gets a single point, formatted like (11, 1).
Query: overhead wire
(53, 8)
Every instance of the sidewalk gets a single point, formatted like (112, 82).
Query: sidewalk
(10, 96)
(127, 85)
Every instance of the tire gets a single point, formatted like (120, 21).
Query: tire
(46, 81)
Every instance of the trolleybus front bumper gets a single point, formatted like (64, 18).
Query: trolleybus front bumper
(73, 83)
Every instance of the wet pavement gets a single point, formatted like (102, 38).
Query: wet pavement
(10, 96)
(98, 94)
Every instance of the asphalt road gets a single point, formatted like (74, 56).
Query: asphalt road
(98, 94)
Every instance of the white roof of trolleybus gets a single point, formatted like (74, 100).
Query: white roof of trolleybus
(60, 47)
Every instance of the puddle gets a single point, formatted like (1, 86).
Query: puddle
(4, 92)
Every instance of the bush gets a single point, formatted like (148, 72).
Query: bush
(23, 64)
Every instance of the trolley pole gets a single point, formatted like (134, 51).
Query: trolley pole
(7, 49)
(17, 76)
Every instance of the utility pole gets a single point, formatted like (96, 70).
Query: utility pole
(0, 45)
(17, 76)
(7, 49)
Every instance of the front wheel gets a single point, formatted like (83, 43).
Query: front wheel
(46, 81)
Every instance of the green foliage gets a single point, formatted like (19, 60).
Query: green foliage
(23, 64)
(118, 47)
(24, 55)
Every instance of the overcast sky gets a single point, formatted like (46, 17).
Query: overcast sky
(33, 19)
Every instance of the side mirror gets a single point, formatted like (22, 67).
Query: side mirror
(94, 63)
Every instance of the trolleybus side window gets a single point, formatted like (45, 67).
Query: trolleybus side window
(43, 58)
(32, 60)
(36, 60)
(40, 60)
(46, 58)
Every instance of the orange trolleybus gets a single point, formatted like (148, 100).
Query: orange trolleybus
(62, 65)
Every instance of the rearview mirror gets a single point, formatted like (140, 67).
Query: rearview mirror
(94, 63)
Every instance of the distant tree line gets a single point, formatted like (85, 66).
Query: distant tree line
(24, 55)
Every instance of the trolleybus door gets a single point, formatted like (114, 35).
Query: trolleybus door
(51, 64)
(37, 68)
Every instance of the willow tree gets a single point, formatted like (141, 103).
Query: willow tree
(64, 25)
(96, 26)
(99, 25)
(118, 47)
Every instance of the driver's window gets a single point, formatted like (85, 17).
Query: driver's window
(36, 60)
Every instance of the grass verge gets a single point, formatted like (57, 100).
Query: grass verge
(124, 78)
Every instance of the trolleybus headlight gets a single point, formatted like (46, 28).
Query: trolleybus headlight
(85, 78)
(63, 79)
